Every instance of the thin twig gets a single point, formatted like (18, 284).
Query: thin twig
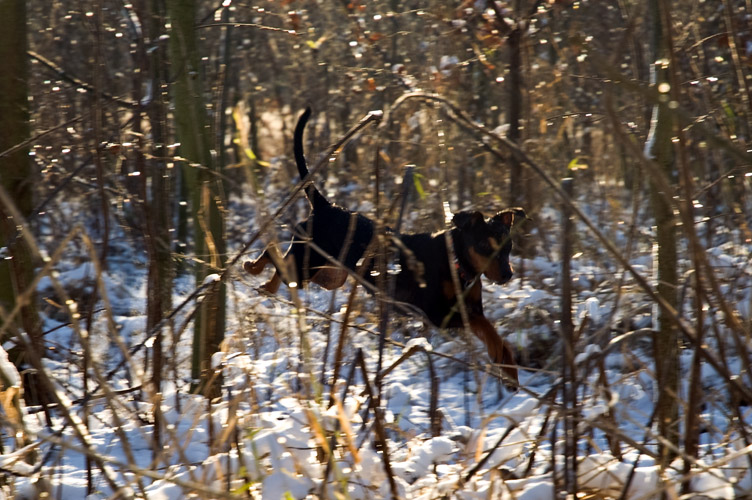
(80, 83)
(378, 423)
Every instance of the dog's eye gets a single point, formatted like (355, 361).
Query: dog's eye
(488, 246)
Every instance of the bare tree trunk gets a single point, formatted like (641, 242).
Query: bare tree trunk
(516, 193)
(569, 369)
(158, 201)
(518, 184)
(203, 185)
(660, 148)
(16, 176)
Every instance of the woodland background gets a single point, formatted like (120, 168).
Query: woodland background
(146, 145)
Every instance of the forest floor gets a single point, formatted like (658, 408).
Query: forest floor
(269, 433)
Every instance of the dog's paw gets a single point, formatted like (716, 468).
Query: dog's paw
(270, 287)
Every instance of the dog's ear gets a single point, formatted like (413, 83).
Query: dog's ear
(464, 220)
(507, 216)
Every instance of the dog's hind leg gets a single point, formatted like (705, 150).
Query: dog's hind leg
(272, 285)
(255, 267)
(330, 277)
(282, 263)
(271, 255)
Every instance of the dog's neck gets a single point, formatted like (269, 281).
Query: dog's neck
(462, 272)
(465, 269)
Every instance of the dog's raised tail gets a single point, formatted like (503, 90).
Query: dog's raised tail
(311, 191)
(300, 160)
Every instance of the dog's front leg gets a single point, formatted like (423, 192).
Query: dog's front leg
(499, 350)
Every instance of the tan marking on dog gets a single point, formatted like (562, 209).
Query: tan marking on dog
(447, 288)
(486, 265)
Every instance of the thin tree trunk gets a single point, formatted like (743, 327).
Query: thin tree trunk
(203, 185)
(157, 202)
(569, 371)
(666, 339)
(16, 176)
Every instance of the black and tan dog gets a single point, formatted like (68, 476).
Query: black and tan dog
(333, 240)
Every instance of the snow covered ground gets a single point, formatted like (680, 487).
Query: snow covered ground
(279, 420)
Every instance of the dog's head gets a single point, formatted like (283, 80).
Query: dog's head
(486, 242)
